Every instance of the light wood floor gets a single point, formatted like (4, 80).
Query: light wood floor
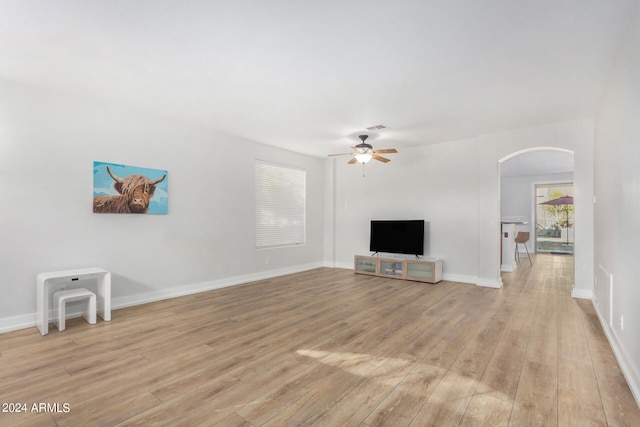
(330, 348)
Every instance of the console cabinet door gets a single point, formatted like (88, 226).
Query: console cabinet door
(424, 271)
(392, 267)
(366, 265)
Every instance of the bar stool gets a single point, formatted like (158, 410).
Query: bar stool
(521, 238)
(60, 299)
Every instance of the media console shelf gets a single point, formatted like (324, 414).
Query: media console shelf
(421, 270)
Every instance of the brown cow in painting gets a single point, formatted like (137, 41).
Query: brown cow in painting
(135, 193)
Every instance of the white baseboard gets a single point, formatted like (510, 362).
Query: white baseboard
(460, 278)
(508, 268)
(582, 293)
(488, 283)
(195, 288)
(627, 367)
(17, 322)
(347, 265)
(29, 320)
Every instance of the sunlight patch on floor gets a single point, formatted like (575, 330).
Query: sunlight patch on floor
(392, 371)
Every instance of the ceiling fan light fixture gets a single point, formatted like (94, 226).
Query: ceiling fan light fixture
(364, 152)
(363, 157)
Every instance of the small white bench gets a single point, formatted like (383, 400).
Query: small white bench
(61, 298)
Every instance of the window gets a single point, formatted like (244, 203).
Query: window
(280, 205)
(554, 218)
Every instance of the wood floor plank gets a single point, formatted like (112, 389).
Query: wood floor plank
(445, 412)
(272, 403)
(487, 410)
(400, 406)
(328, 347)
(578, 404)
(359, 402)
(536, 402)
(311, 406)
(31, 419)
(189, 401)
(500, 378)
(106, 410)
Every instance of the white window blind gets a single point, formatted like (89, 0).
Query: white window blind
(280, 205)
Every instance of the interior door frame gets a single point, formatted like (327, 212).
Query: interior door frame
(510, 156)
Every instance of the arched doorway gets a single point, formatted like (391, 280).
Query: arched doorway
(523, 175)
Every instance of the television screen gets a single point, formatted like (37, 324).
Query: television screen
(397, 236)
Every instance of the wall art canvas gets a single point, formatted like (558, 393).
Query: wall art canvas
(129, 189)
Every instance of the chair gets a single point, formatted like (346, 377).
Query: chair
(60, 299)
(522, 238)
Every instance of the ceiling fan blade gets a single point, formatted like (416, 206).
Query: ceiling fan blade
(352, 161)
(380, 158)
(385, 150)
(340, 154)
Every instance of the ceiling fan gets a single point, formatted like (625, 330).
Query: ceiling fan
(364, 152)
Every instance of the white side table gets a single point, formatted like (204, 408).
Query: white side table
(45, 280)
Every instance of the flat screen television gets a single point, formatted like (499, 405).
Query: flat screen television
(397, 236)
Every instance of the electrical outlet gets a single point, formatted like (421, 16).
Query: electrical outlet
(621, 322)
(266, 261)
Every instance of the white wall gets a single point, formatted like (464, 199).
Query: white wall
(454, 186)
(617, 208)
(434, 183)
(48, 143)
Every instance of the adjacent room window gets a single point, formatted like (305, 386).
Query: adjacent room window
(280, 205)
(554, 218)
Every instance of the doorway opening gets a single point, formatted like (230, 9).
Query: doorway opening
(554, 218)
(519, 173)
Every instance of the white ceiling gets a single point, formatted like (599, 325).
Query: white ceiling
(543, 162)
(311, 75)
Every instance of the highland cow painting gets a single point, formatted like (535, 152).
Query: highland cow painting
(129, 189)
